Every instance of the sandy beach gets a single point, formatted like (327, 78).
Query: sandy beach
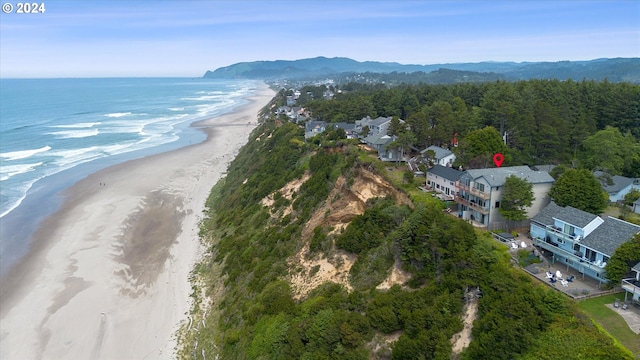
(108, 277)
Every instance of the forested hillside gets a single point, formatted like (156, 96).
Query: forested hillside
(545, 121)
(291, 212)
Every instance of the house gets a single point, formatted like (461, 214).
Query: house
(636, 206)
(631, 286)
(479, 193)
(380, 142)
(444, 180)
(376, 126)
(443, 156)
(349, 129)
(617, 186)
(313, 128)
(578, 239)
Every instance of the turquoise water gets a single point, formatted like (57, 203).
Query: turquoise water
(55, 131)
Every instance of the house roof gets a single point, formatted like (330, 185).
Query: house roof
(566, 214)
(380, 121)
(445, 172)
(497, 176)
(378, 139)
(607, 237)
(310, 125)
(636, 267)
(440, 152)
(367, 121)
(637, 202)
(617, 182)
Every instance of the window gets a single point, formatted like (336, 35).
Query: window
(479, 186)
(497, 204)
(568, 229)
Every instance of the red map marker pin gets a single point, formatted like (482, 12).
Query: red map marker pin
(498, 159)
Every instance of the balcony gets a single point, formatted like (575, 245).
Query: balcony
(631, 285)
(559, 233)
(580, 263)
(471, 205)
(473, 191)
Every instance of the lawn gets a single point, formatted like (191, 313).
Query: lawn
(611, 321)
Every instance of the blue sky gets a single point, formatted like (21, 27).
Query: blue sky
(186, 38)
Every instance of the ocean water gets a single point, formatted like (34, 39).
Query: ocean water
(54, 132)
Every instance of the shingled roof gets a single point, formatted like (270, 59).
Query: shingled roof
(445, 172)
(497, 176)
(566, 214)
(607, 237)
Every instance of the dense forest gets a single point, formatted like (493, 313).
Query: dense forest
(596, 124)
(247, 307)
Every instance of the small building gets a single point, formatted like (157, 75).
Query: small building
(631, 286)
(443, 180)
(479, 193)
(578, 239)
(443, 156)
(636, 206)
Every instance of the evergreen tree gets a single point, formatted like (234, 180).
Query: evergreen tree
(517, 195)
(580, 189)
(626, 256)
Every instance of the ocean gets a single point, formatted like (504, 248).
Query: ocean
(54, 132)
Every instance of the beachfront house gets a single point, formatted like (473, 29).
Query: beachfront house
(443, 156)
(578, 239)
(443, 180)
(380, 143)
(631, 286)
(479, 193)
(313, 128)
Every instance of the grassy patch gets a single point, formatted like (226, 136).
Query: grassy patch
(526, 258)
(613, 323)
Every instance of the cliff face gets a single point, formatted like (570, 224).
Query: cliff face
(344, 203)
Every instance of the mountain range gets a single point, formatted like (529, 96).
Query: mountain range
(614, 69)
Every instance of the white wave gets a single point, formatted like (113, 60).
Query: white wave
(23, 154)
(69, 158)
(203, 98)
(22, 190)
(78, 125)
(176, 109)
(11, 170)
(117, 115)
(75, 134)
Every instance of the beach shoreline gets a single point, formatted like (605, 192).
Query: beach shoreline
(108, 274)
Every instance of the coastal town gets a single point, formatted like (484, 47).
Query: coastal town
(562, 237)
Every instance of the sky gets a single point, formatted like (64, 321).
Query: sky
(144, 38)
